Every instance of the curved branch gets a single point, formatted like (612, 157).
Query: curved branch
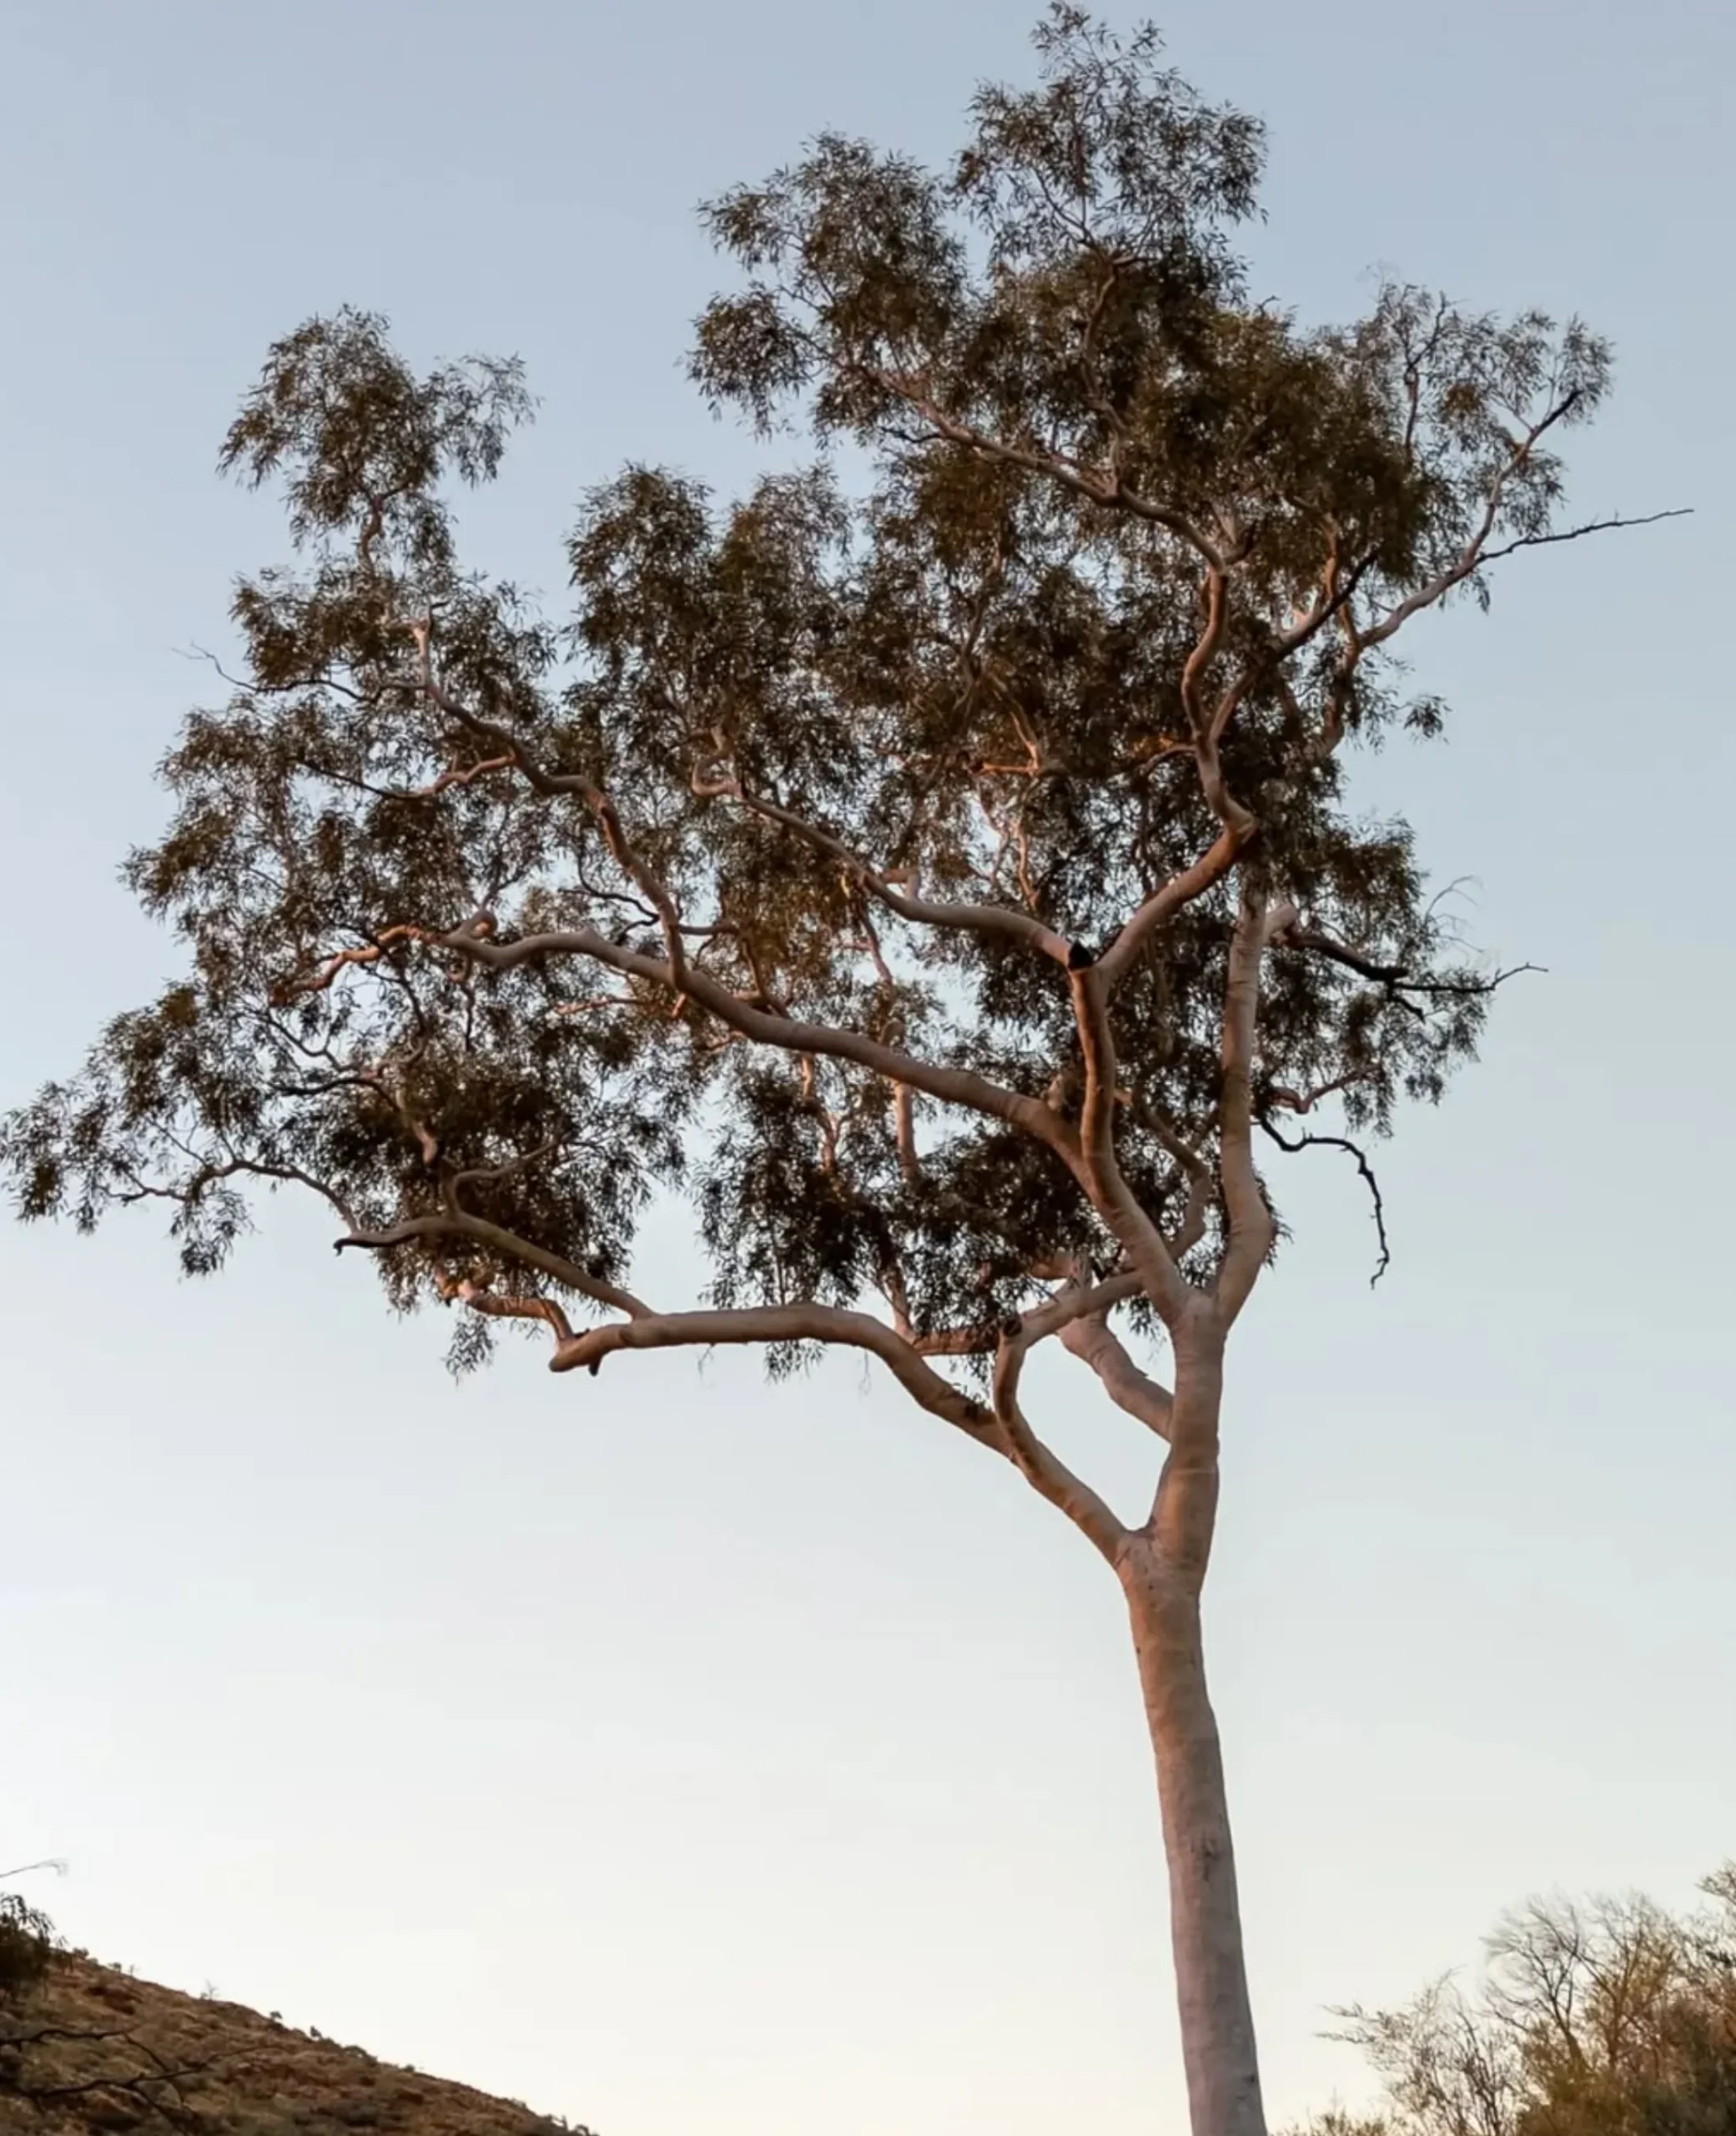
(927, 912)
(1094, 1343)
(1067, 473)
(1397, 979)
(791, 1323)
(1476, 551)
(1099, 1168)
(1166, 901)
(961, 1086)
(493, 1306)
(238, 1167)
(1344, 1142)
(1042, 1469)
(594, 797)
(455, 1223)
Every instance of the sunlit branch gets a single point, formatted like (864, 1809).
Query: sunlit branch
(1042, 1469)
(758, 1325)
(494, 1306)
(1162, 905)
(927, 912)
(1251, 1223)
(960, 1086)
(1201, 1186)
(1097, 1166)
(1303, 1101)
(1092, 1340)
(453, 1223)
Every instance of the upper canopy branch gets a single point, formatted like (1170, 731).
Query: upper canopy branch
(1097, 1164)
(549, 783)
(1003, 920)
(1614, 522)
(1108, 489)
(1398, 979)
(960, 1086)
(1474, 551)
(1251, 1225)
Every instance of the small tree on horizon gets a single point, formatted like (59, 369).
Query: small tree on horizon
(947, 881)
(1602, 2017)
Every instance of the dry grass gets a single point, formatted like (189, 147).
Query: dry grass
(94, 2050)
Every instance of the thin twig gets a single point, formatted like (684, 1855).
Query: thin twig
(1343, 1142)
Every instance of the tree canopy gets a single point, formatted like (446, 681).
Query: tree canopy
(859, 857)
(939, 865)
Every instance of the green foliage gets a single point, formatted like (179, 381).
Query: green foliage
(1610, 2018)
(430, 859)
(26, 1949)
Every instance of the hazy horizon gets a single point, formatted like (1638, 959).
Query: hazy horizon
(671, 1746)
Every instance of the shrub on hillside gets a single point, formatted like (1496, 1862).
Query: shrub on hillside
(1608, 2017)
(26, 1948)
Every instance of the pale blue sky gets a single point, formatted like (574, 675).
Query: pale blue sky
(675, 1753)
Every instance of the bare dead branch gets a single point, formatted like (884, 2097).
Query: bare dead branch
(1577, 533)
(1476, 551)
(1354, 1150)
(1397, 979)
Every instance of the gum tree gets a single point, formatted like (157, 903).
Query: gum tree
(944, 876)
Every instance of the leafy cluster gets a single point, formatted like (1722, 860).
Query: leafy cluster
(26, 1949)
(1119, 583)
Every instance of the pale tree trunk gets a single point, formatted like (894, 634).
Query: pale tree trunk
(1161, 1572)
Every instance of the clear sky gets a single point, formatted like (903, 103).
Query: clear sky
(676, 1753)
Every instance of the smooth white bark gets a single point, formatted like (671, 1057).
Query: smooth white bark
(1218, 2046)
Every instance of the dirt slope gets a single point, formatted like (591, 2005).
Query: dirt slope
(94, 2050)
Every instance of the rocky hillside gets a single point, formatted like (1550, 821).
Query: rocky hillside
(92, 2050)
